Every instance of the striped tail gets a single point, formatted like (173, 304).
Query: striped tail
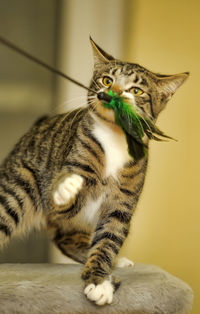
(19, 203)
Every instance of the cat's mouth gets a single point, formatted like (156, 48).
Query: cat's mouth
(107, 98)
(134, 122)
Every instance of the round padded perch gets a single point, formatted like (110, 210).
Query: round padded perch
(58, 289)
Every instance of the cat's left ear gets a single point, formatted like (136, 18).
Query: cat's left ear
(168, 84)
(100, 56)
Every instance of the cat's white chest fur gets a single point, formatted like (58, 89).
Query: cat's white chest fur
(87, 218)
(115, 147)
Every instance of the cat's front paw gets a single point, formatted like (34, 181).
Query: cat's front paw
(100, 294)
(67, 190)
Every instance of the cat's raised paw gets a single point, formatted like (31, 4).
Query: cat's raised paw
(67, 189)
(100, 294)
(124, 262)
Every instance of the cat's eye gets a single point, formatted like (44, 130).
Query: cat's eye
(107, 81)
(136, 91)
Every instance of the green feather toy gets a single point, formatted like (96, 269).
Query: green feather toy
(135, 125)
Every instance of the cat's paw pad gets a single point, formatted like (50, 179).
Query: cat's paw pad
(100, 294)
(124, 262)
(68, 189)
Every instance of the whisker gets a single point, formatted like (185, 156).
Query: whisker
(92, 102)
(73, 99)
(95, 83)
(69, 105)
(91, 97)
(92, 106)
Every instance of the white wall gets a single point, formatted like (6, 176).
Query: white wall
(79, 20)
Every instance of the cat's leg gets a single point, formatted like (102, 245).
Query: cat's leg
(70, 187)
(111, 231)
(74, 244)
(67, 196)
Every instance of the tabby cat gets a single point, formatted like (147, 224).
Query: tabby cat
(72, 175)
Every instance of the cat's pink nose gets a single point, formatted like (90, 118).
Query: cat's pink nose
(116, 89)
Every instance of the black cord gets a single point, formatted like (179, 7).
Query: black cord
(42, 63)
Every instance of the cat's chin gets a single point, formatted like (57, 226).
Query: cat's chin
(103, 112)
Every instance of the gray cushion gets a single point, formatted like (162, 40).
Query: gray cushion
(53, 288)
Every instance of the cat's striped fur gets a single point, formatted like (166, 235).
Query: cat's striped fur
(92, 224)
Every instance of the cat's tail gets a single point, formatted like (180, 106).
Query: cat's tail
(10, 213)
(18, 209)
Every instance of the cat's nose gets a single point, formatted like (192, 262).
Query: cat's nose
(117, 89)
(105, 97)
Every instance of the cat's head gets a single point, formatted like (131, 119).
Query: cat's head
(150, 91)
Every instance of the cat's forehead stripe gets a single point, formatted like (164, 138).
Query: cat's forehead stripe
(144, 82)
(113, 71)
(129, 73)
(136, 79)
(116, 71)
(128, 67)
(128, 70)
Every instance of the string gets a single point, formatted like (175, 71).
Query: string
(42, 63)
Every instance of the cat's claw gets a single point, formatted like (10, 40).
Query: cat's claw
(68, 189)
(124, 262)
(100, 294)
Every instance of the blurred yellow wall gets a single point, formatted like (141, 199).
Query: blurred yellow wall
(164, 36)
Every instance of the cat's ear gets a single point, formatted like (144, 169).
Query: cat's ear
(100, 56)
(168, 84)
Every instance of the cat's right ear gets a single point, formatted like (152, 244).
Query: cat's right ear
(100, 56)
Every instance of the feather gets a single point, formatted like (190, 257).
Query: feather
(150, 127)
(134, 125)
(135, 149)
